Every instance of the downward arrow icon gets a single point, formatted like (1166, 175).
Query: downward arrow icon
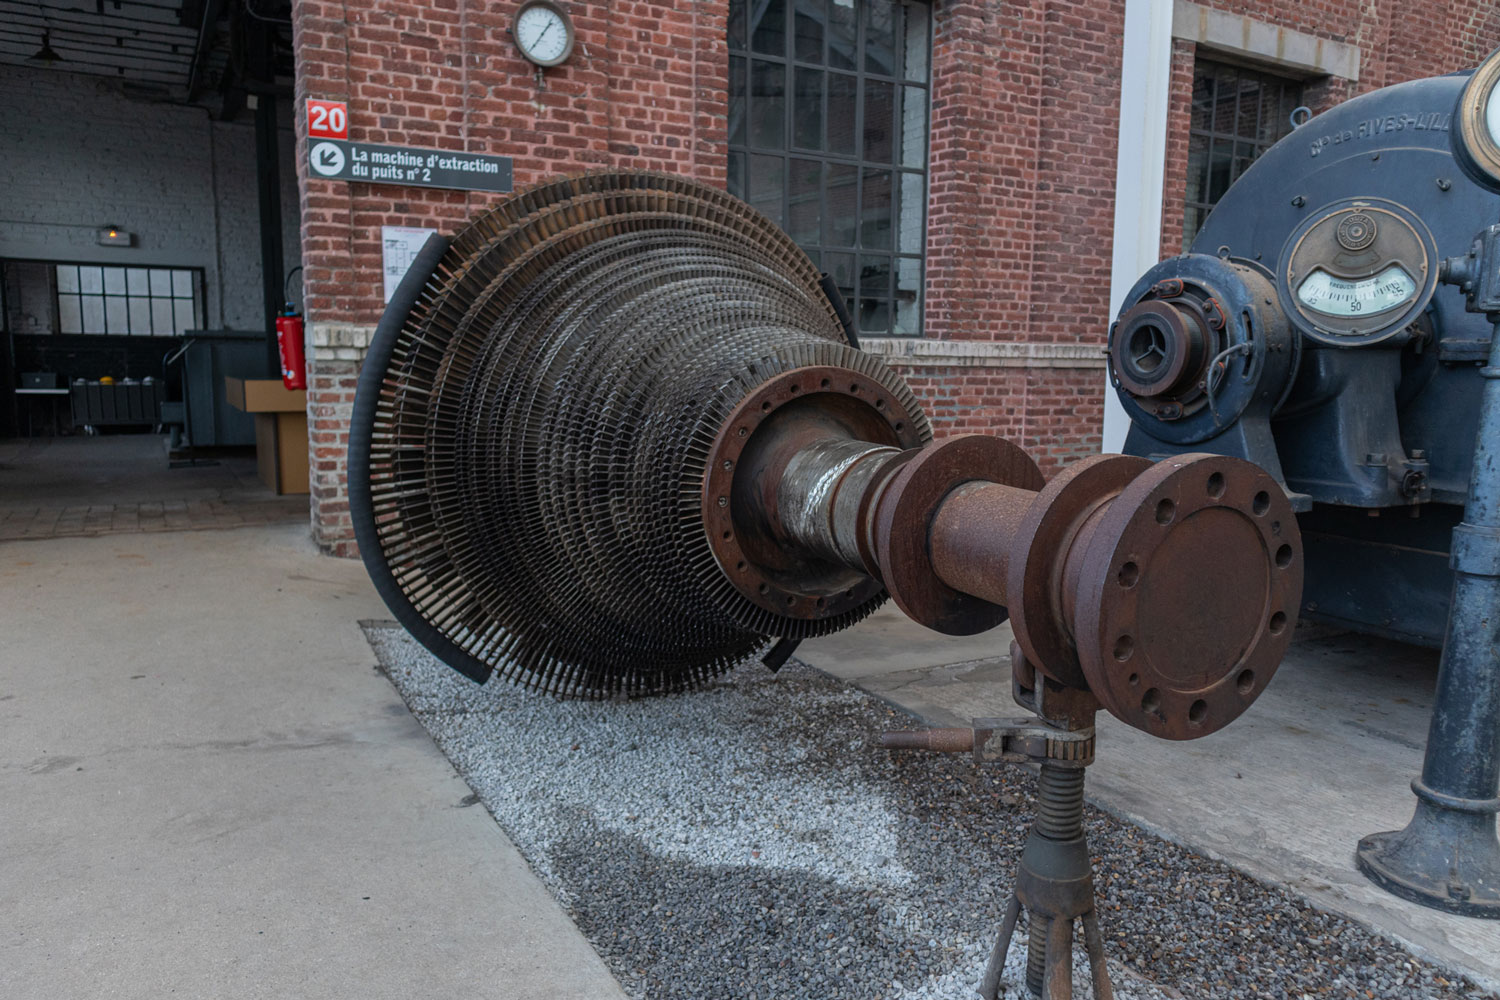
(330, 158)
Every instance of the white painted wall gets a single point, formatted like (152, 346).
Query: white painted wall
(1140, 170)
(79, 154)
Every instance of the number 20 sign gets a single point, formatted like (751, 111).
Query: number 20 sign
(327, 120)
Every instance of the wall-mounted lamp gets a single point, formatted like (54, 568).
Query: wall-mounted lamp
(114, 236)
(46, 55)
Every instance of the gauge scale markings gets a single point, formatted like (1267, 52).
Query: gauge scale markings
(1323, 292)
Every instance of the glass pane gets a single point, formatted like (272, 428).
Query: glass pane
(767, 105)
(840, 267)
(806, 197)
(1227, 85)
(1201, 115)
(737, 175)
(913, 200)
(1244, 155)
(843, 34)
(842, 113)
(737, 24)
(914, 65)
(69, 313)
(182, 313)
(67, 278)
(1220, 165)
(1192, 221)
(807, 109)
(880, 37)
(93, 313)
(843, 206)
(137, 282)
(908, 319)
(875, 210)
(161, 283)
(140, 316)
(1248, 117)
(91, 280)
(114, 316)
(913, 138)
(182, 284)
(879, 98)
(737, 101)
(767, 175)
(1197, 168)
(1275, 114)
(808, 25)
(162, 324)
(874, 294)
(114, 281)
(768, 27)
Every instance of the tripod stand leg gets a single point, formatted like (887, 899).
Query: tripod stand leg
(989, 987)
(1058, 984)
(1093, 942)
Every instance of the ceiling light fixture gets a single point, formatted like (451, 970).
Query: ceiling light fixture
(46, 55)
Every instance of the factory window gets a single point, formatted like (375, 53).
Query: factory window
(828, 105)
(1237, 114)
(133, 301)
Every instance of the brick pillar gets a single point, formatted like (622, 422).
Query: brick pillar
(1020, 219)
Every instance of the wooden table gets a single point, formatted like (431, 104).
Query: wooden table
(280, 429)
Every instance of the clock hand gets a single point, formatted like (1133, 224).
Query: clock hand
(538, 39)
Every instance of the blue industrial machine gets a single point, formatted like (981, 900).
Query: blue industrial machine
(1333, 323)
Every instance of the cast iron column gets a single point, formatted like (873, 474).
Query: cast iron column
(1448, 856)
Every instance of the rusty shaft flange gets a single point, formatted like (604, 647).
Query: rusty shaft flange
(1166, 590)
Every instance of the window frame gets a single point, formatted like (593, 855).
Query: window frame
(1212, 65)
(196, 295)
(743, 57)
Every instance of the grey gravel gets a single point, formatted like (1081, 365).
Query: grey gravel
(747, 841)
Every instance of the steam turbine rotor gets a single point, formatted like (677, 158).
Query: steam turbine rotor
(614, 440)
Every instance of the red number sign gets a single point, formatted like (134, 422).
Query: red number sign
(327, 120)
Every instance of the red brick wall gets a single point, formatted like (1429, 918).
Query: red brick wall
(1020, 212)
(646, 87)
(1021, 168)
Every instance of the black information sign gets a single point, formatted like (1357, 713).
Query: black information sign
(362, 161)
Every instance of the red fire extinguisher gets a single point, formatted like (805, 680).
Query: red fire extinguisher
(289, 339)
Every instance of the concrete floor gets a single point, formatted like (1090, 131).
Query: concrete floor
(1325, 756)
(57, 487)
(117, 469)
(207, 791)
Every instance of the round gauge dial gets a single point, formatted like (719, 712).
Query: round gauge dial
(543, 32)
(1357, 272)
(1342, 297)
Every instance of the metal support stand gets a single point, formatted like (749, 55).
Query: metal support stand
(1448, 856)
(1055, 883)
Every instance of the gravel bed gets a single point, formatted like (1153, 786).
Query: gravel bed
(747, 841)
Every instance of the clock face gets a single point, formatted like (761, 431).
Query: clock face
(543, 34)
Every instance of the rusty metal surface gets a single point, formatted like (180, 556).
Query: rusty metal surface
(835, 413)
(1187, 595)
(905, 514)
(1044, 534)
